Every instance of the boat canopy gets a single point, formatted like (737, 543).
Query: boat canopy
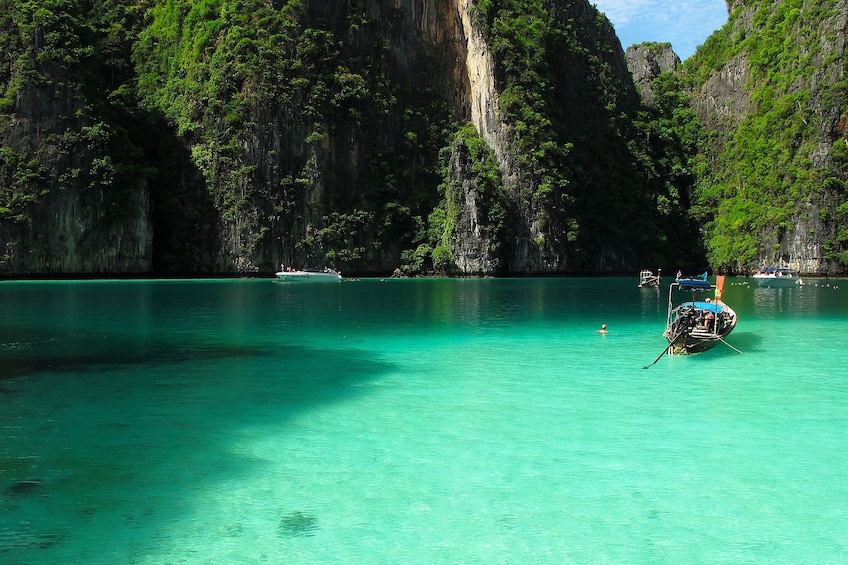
(776, 270)
(694, 284)
(714, 307)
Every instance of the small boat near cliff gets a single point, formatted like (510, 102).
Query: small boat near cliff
(648, 279)
(777, 277)
(695, 325)
(310, 276)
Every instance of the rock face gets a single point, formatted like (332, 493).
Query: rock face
(646, 62)
(79, 221)
(723, 101)
(254, 175)
(477, 70)
(473, 245)
(72, 238)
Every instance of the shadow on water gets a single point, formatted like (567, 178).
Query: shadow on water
(746, 342)
(24, 356)
(138, 452)
(111, 433)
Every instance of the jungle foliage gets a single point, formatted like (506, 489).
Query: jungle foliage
(61, 46)
(226, 72)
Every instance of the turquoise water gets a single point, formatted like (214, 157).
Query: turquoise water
(417, 422)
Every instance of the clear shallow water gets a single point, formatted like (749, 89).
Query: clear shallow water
(417, 421)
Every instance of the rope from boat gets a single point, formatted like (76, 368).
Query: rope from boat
(728, 345)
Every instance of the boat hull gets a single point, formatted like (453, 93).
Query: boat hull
(308, 277)
(689, 344)
(776, 282)
(694, 327)
(696, 341)
(777, 277)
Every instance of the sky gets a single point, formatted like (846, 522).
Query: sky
(685, 24)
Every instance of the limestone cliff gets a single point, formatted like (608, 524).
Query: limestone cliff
(311, 187)
(775, 113)
(231, 137)
(77, 204)
(646, 62)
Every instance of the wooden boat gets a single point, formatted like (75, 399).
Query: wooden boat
(310, 276)
(694, 325)
(648, 279)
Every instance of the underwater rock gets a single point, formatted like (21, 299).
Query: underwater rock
(298, 524)
(22, 488)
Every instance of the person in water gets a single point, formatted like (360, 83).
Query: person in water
(603, 329)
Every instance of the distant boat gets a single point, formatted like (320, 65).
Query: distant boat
(310, 276)
(695, 325)
(777, 277)
(647, 278)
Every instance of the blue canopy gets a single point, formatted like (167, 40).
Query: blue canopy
(694, 284)
(710, 306)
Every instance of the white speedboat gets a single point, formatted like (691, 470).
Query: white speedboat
(777, 277)
(310, 275)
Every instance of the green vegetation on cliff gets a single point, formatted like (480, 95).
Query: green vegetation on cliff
(243, 133)
(70, 121)
(611, 176)
(237, 73)
(78, 51)
(282, 131)
(784, 165)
